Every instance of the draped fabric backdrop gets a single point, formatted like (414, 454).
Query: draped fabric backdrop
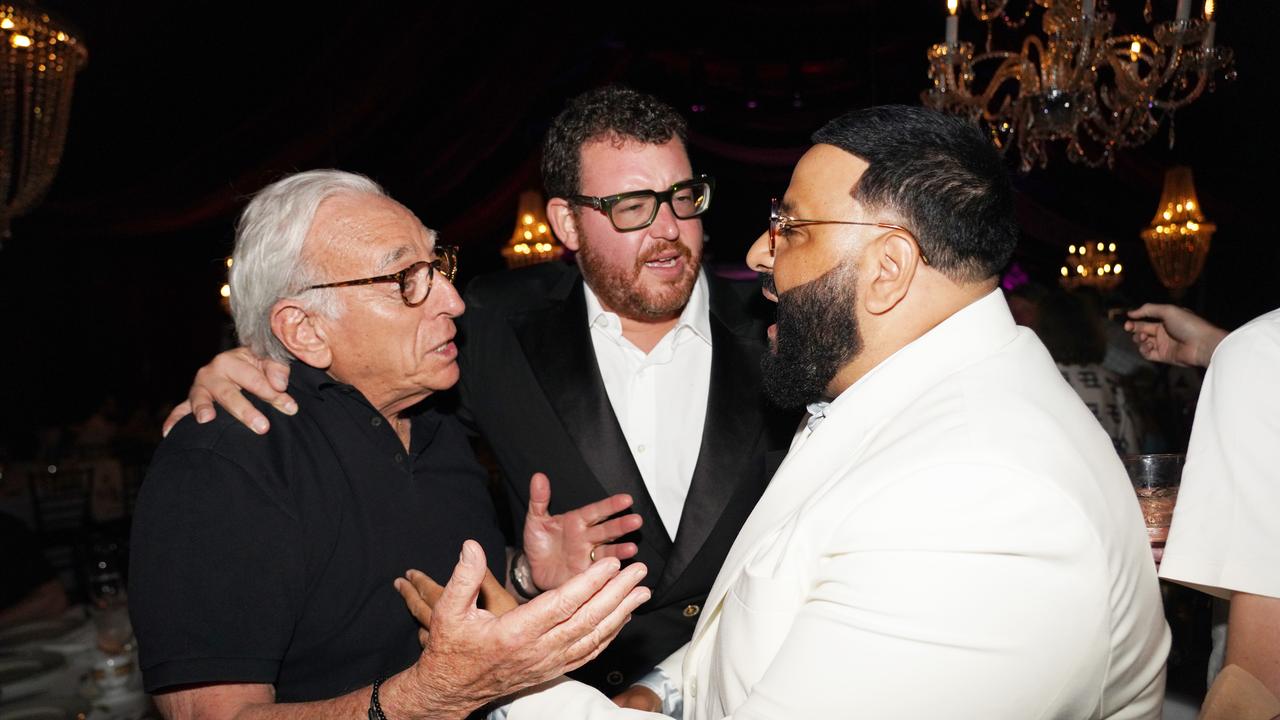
(111, 286)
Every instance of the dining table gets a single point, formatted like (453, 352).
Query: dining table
(54, 670)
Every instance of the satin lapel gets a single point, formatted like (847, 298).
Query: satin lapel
(557, 344)
(725, 461)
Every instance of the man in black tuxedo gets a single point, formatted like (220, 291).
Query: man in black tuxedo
(632, 372)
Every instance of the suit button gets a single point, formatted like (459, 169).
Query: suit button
(691, 611)
(613, 678)
(693, 687)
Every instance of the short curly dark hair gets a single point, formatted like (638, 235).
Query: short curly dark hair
(613, 112)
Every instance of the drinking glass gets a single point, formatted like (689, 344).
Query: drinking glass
(1155, 479)
(108, 600)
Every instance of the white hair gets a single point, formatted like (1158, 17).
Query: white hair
(268, 260)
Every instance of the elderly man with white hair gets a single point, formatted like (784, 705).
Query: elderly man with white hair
(263, 566)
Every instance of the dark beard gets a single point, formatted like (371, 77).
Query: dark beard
(618, 289)
(817, 335)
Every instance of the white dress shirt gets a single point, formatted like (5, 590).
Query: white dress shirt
(660, 398)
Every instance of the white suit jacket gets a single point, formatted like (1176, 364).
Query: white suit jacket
(956, 539)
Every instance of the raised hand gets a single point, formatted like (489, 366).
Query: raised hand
(1174, 335)
(222, 380)
(473, 656)
(561, 546)
(421, 593)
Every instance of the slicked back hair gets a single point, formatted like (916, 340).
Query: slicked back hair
(943, 179)
(615, 113)
(268, 259)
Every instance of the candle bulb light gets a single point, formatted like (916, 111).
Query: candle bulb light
(1210, 25)
(953, 23)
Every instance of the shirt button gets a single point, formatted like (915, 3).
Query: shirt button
(613, 678)
(399, 458)
(693, 687)
(691, 611)
(640, 448)
(376, 421)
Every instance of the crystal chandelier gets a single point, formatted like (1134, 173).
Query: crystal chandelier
(1091, 264)
(37, 74)
(1178, 237)
(1076, 82)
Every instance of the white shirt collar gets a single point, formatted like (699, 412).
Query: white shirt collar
(695, 318)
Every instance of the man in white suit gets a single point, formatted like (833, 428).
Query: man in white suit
(952, 534)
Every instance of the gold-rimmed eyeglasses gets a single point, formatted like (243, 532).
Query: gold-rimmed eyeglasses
(415, 281)
(780, 223)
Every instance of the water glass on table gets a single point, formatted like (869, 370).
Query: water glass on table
(108, 600)
(1155, 479)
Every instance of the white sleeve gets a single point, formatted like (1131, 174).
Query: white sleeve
(564, 698)
(664, 680)
(955, 607)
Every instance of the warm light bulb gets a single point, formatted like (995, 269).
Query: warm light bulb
(6, 24)
(1100, 246)
(1111, 247)
(1106, 268)
(953, 6)
(20, 41)
(1064, 271)
(230, 262)
(527, 219)
(225, 291)
(1117, 268)
(1080, 269)
(1135, 51)
(528, 235)
(1168, 215)
(542, 228)
(1191, 205)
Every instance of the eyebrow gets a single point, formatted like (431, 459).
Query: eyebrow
(393, 256)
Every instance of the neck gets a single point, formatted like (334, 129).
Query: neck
(906, 322)
(646, 335)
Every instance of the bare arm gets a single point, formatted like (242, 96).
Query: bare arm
(471, 655)
(222, 380)
(1174, 335)
(1253, 637)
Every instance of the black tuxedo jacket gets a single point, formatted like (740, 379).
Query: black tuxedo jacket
(531, 386)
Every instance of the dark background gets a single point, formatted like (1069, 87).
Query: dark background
(185, 109)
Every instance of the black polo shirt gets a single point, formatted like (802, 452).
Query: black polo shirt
(269, 559)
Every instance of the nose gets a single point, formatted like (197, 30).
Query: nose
(758, 256)
(665, 225)
(444, 299)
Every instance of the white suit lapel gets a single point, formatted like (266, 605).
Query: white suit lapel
(852, 419)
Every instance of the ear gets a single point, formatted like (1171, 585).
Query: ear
(300, 333)
(563, 223)
(893, 262)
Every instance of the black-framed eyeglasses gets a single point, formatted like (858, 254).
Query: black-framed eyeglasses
(414, 281)
(635, 210)
(779, 223)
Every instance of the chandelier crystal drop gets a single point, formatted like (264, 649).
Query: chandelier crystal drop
(1076, 82)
